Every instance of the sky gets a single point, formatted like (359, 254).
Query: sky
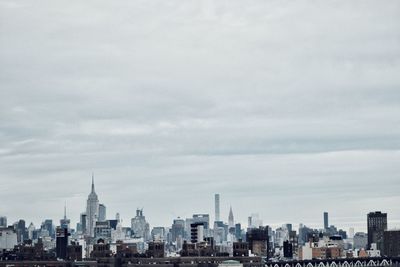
(285, 108)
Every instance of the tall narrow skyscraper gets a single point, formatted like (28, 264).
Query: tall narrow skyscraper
(92, 211)
(65, 222)
(217, 214)
(231, 221)
(326, 222)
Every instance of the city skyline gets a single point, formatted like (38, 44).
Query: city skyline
(392, 224)
(286, 110)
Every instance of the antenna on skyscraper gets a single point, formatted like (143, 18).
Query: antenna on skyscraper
(65, 210)
(92, 182)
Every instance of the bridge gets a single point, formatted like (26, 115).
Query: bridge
(355, 262)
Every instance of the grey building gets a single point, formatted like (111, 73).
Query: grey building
(377, 224)
(360, 240)
(391, 243)
(217, 213)
(178, 229)
(140, 228)
(3, 221)
(102, 212)
(326, 222)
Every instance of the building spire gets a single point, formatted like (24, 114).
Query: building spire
(92, 182)
(65, 210)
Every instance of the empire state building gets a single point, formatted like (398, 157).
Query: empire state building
(92, 211)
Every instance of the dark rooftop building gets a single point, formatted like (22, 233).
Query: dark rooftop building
(391, 243)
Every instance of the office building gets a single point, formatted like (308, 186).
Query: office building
(202, 218)
(177, 229)
(258, 240)
(391, 243)
(3, 221)
(158, 233)
(140, 228)
(61, 242)
(231, 220)
(102, 212)
(82, 222)
(92, 211)
(360, 240)
(326, 222)
(240, 249)
(197, 232)
(217, 214)
(102, 230)
(65, 222)
(377, 224)
(8, 238)
(287, 249)
(238, 231)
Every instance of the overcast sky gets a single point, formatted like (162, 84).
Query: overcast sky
(285, 108)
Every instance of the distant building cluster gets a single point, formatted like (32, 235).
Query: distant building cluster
(98, 237)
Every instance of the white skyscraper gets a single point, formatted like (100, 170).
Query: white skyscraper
(217, 216)
(92, 211)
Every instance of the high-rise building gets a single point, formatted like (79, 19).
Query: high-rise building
(83, 222)
(178, 229)
(48, 226)
(140, 227)
(238, 231)
(351, 232)
(326, 222)
(220, 232)
(31, 230)
(102, 230)
(3, 221)
(61, 242)
(8, 238)
(102, 212)
(92, 211)
(360, 240)
(217, 214)
(65, 222)
(202, 218)
(158, 233)
(254, 221)
(377, 224)
(22, 232)
(231, 220)
(391, 243)
(258, 240)
(197, 232)
(287, 249)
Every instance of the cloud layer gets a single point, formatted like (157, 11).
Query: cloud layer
(286, 109)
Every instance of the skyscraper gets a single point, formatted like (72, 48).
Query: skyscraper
(377, 224)
(92, 211)
(102, 212)
(61, 242)
(326, 222)
(65, 222)
(140, 227)
(231, 222)
(178, 229)
(83, 222)
(3, 221)
(217, 214)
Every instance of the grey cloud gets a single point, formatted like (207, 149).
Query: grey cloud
(269, 103)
